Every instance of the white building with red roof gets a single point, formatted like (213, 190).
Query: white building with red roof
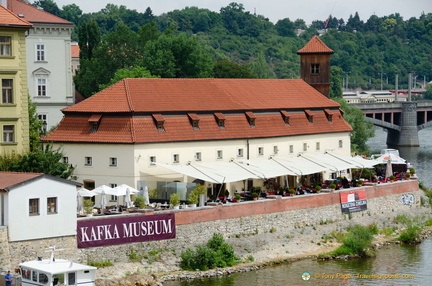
(35, 205)
(49, 65)
(117, 135)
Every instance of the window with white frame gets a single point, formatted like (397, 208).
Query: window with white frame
(40, 52)
(219, 154)
(176, 158)
(66, 160)
(260, 151)
(7, 91)
(340, 143)
(305, 146)
(41, 87)
(52, 205)
(198, 156)
(240, 152)
(5, 46)
(8, 134)
(317, 146)
(275, 150)
(291, 149)
(113, 162)
(88, 161)
(152, 159)
(113, 198)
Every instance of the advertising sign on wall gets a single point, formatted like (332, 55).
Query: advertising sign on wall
(353, 201)
(128, 229)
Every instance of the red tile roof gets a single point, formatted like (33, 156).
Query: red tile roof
(75, 51)
(153, 95)
(315, 46)
(33, 14)
(9, 19)
(131, 109)
(142, 129)
(12, 179)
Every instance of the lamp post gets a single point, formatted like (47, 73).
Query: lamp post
(381, 81)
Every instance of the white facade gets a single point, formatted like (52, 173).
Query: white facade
(133, 161)
(59, 220)
(49, 69)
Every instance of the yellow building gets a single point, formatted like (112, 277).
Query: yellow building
(14, 117)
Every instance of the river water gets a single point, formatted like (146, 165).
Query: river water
(393, 265)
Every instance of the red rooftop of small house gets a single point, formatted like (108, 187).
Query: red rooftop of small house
(9, 19)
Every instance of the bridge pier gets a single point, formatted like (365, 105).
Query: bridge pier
(407, 136)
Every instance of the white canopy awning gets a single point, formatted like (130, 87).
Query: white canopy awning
(332, 163)
(301, 165)
(358, 161)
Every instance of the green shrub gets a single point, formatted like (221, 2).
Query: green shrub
(410, 234)
(217, 253)
(139, 202)
(356, 242)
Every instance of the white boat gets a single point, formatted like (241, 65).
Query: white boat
(51, 272)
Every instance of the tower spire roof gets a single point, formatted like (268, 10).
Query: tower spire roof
(315, 46)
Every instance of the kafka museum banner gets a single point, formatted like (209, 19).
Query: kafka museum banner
(353, 201)
(128, 229)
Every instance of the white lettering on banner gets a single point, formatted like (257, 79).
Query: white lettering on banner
(144, 228)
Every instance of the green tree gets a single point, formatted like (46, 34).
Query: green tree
(428, 92)
(48, 6)
(336, 82)
(177, 57)
(362, 129)
(285, 28)
(71, 12)
(42, 160)
(35, 124)
(135, 72)
(88, 38)
(228, 69)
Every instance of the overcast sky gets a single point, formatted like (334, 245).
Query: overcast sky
(275, 10)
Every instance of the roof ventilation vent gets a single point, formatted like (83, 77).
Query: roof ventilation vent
(21, 15)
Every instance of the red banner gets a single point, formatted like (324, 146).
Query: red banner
(127, 229)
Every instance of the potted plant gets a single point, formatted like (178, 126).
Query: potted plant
(226, 194)
(255, 196)
(412, 171)
(392, 178)
(291, 192)
(359, 183)
(238, 198)
(333, 186)
(139, 202)
(88, 207)
(407, 176)
(318, 189)
(175, 200)
(193, 199)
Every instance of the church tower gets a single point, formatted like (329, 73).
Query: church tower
(315, 65)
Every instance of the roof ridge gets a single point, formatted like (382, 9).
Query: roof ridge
(63, 21)
(315, 45)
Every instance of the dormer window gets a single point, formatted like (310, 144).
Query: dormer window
(194, 119)
(329, 115)
(159, 121)
(251, 118)
(309, 116)
(315, 69)
(220, 119)
(94, 122)
(285, 117)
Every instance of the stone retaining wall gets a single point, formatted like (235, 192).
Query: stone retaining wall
(197, 226)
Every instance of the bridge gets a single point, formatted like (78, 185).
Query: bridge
(402, 119)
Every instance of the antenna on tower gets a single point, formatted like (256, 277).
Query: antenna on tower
(329, 17)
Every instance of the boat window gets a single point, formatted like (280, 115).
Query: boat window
(58, 279)
(71, 278)
(34, 276)
(43, 278)
(26, 273)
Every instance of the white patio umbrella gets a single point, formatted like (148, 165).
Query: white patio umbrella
(146, 196)
(395, 159)
(79, 202)
(86, 193)
(389, 169)
(121, 190)
(107, 190)
(103, 200)
(127, 199)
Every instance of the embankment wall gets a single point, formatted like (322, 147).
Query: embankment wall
(196, 226)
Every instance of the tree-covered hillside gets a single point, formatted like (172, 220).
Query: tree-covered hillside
(369, 52)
